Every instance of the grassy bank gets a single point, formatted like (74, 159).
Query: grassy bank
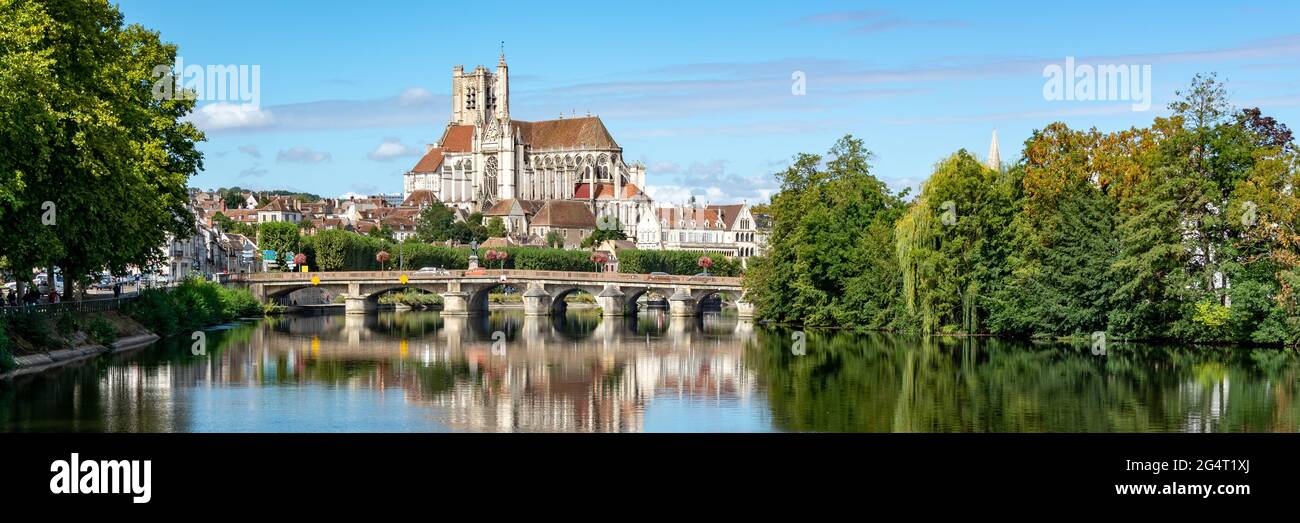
(36, 333)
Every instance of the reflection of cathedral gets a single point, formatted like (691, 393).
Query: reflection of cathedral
(485, 158)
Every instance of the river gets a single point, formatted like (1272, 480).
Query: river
(503, 372)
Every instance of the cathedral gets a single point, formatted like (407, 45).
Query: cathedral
(487, 162)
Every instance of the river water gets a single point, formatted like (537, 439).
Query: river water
(503, 372)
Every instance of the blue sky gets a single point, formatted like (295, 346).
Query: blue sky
(701, 92)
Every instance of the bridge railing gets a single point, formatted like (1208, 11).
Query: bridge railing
(599, 277)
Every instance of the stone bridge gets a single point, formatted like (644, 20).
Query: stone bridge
(465, 292)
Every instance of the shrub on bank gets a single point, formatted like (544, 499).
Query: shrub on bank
(6, 351)
(102, 331)
(240, 303)
(194, 304)
(31, 326)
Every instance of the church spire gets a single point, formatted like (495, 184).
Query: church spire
(502, 63)
(995, 156)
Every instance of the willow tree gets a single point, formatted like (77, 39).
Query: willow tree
(952, 243)
(93, 166)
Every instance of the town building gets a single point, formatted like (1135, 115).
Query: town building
(729, 230)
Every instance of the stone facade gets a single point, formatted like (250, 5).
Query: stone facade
(485, 157)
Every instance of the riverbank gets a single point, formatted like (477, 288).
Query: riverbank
(38, 363)
(39, 342)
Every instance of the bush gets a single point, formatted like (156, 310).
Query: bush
(157, 310)
(32, 327)
(240, 303)
(102, 331)
(192, 305)
(68, 323)
(6, 351)
(347, 251)
(683, 263)
(412, 298)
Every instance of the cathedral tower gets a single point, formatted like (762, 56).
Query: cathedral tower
(473, 95)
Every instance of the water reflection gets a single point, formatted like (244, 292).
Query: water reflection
(419, 371)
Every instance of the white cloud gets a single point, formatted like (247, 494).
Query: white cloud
(665, 195)
(392, 149)
(415, 96)
(302, 155)
(250, 150)
(226, 115)
(253, 172)
(663, 168)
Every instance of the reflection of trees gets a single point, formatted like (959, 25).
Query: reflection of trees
(576, 325)
(881, 383)
(406, 325)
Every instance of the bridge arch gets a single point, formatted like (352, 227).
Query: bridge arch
(634, 294)
(295, 293)
(705, 299)
(373, 296)
(479, 298)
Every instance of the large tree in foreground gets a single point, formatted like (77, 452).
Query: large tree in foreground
(93, 167)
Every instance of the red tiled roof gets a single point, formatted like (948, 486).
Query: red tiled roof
(506, 206)
(729, 213)
(458, 139)
(568, 133)
(279, 204)
(418, 198)
(704, 218)
(430, 162)
(605, 191)
(565, 214)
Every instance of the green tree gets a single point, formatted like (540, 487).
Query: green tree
(823, 219)
(554, 240)
(382, 232)
(85, 137)
(281, 237)
(1062, 244)
(952, 244)
(496, 228)
(612, 231)
(330, 249)
(434, 223)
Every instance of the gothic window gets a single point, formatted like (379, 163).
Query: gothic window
(470, 98)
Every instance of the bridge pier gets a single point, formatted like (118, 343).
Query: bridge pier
(537, 302)
(455, 303)
(681, 304)
(359, 305)
(610, 301)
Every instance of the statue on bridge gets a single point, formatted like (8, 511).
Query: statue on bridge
(473, 258)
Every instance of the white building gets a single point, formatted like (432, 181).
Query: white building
(719, 229)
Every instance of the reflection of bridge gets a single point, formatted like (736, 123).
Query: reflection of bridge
(464, 292)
